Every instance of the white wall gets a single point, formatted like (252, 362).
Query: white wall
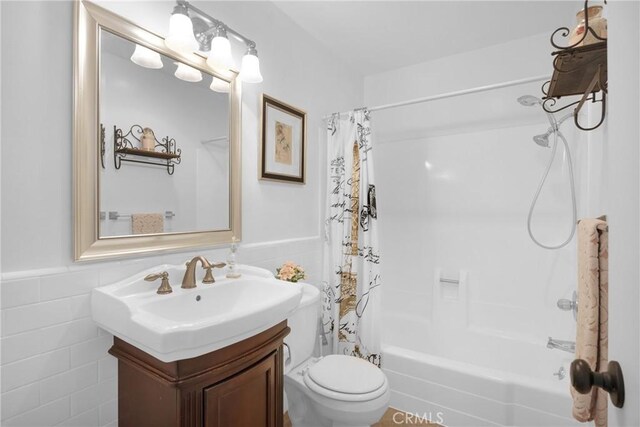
(54, 368)
(623, 135)
(455, 180)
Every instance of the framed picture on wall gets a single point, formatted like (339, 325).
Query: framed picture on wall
(282, 153)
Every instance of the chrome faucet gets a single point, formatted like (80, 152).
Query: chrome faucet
(568, 346)
(189, 279)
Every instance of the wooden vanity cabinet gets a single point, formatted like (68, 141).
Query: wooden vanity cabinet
(236, 386)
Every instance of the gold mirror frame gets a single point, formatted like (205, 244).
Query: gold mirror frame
(89, 18)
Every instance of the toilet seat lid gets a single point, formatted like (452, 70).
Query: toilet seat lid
(346, 374)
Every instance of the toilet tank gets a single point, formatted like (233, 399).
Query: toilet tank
(304, 326)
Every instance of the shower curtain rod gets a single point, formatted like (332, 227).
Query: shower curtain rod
(451, 94)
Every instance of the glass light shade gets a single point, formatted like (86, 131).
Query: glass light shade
(220, 55)
(187, 73)
(250, 69)
(181, 38)
(147, 58)
(219, 85)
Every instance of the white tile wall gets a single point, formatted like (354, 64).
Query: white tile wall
(54, 364)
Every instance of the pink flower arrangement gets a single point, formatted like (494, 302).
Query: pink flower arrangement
(290, 272)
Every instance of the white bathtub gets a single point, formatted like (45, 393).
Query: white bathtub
(476, 379)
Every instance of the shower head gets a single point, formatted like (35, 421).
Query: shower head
(543, 140)
(529, 100)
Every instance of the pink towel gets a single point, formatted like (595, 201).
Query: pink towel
(147, 223)
(592, 335)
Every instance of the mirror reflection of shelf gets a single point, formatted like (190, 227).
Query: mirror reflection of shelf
(143, 153)
(125, 145)
(103, 145)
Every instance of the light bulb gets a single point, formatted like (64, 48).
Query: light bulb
(220, 55)
(146, 57)
(187, 73)
(219, 85)
(250, 69)
(181, 38)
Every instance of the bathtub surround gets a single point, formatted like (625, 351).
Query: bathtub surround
(468, 349)
(351, 274)
(592, 338)
(55, 368)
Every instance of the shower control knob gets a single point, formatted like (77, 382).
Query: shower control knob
(561, 373)
(565, 304)
(569, 304)
(611, 381)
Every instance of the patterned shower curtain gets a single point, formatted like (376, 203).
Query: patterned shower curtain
(351, 274)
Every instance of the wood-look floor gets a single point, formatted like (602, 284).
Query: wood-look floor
(402, 419)
(388, 420)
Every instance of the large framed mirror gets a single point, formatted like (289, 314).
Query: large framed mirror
(156, 142)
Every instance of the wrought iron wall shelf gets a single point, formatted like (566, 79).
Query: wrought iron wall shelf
(125, 150)
(102, 145)
(578, 70)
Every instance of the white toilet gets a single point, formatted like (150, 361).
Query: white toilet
(331, 391)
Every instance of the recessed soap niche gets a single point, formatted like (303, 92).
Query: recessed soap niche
(450, 284)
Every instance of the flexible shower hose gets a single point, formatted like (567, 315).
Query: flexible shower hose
(556, 134)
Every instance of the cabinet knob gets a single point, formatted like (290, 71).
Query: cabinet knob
(611, 381)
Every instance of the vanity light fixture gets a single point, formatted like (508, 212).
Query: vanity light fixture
(250, 70)
(146, 57)
(210, 35)
(187, 73)
(220, 55)
(181, 38)
(219, 85)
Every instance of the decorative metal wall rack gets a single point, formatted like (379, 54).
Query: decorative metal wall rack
(102, 145)
(578, 70)
(126, 150)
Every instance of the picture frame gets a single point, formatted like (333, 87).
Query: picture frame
(283, 142)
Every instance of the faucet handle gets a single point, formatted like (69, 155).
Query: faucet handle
(165, 287)
(570, 305)
(208, 276)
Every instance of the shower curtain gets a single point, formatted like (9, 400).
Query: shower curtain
(351, 273)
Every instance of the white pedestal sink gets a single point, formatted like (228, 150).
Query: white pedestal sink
(191, 322)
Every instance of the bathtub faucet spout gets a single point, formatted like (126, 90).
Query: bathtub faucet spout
(568, 346)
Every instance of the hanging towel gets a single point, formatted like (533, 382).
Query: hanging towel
(147, 223)
(591, 335)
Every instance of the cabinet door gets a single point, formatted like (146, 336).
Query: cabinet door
(248, 399)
